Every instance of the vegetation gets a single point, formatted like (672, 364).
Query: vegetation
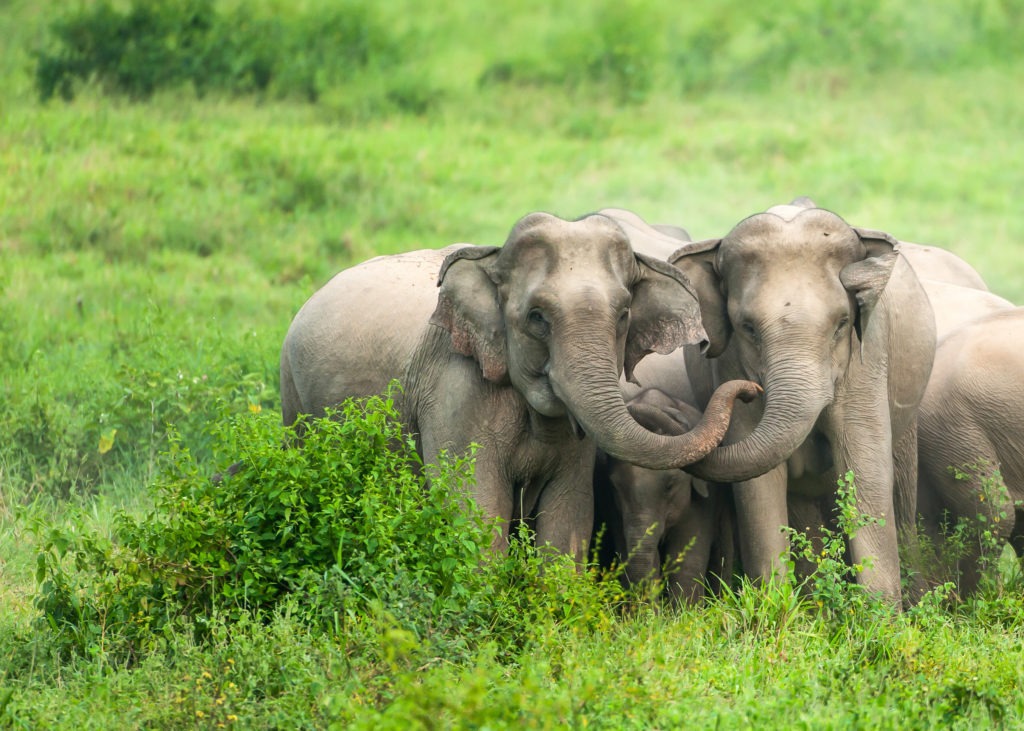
(179, 175)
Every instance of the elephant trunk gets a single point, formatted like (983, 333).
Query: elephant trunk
(641, 555)
(589, 386)
(792, 407)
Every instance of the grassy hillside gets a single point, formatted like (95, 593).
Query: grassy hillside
(155, 244)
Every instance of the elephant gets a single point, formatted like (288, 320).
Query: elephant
(657, 518)
(834, 323)
(972, 420)
(955, 305)
(515, 348)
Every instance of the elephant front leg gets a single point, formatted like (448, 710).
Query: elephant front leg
(688, 552)
(565, 509)
(490, 488)
(863, 446)
(761, 516)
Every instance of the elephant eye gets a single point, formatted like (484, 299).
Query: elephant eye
(749, 330)
(537, 323)
(841, 325)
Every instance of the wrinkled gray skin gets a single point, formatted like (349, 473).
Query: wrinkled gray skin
(834, 324)
(519, 351)
(972, 418)
(665, 518)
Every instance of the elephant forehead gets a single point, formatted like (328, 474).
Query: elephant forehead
(568, 266)
(807, 226)
(800, 243)
(594, 240)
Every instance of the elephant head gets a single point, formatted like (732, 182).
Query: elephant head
(790, 294)
(560, 311)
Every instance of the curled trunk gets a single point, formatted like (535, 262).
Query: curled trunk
(794, 398)
(590, 388)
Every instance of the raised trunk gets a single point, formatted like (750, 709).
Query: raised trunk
(795, 396)
(589, 386)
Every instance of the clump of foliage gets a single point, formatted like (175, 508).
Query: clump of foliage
(347, 522)
(344, 531)
(941, 554)
(157, 44)
(819, 579)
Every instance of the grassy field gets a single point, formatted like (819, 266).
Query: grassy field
(153, 249)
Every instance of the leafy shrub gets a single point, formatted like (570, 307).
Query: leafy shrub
(345, 530)
(628, 49)
(347, 522)
(154, 44)
(940, 554)
(157, 44)
(745, 45)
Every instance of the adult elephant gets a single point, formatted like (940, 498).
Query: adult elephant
(834, 323)
(516, 348)
(972, 420)
(667, 519)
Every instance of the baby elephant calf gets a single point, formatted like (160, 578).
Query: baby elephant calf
(664, 518)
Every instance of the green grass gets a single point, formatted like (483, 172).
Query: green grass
(153, 253)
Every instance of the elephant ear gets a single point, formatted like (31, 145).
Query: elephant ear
(866, 279)
(468, 307)
(698, 262)
(664, 314)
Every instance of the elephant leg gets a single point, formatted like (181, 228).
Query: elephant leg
(761, 514)
(1017, 532)
(859, 446)
(905, 481)
(724, 545)
(688, 552)
(980, 501)
(565, 508)
(490, 489)
(905, 503)
(970, 501)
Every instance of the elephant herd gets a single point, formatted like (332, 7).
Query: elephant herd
(695, 397)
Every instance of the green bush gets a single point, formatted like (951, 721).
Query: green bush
(347, 522)
(157, 44)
